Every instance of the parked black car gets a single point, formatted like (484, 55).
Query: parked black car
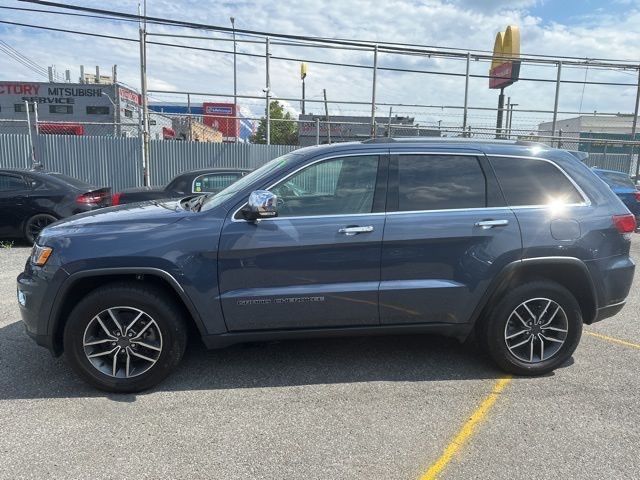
(32, 199)
(206, 180)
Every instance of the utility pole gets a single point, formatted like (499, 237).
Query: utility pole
(143, 85)
(326, 113)
(235, 79)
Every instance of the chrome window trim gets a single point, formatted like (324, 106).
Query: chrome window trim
(360, 154)
(587, 201)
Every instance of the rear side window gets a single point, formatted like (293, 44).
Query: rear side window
(9, 183)
(527, 181)
(214, 182)
(440, 182)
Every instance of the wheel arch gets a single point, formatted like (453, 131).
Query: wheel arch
(80, 284)
(570, 272)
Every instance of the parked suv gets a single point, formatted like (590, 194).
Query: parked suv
(518, 244)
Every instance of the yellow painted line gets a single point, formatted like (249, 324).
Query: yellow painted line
(614, 340)
(466, 432)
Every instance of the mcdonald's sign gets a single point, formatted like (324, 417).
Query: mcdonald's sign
(505, 64)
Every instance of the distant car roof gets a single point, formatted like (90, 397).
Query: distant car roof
(51, 176)
(604, 170)
(215, 170)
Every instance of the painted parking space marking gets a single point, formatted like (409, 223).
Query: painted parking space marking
(614, 340)
(467, 430)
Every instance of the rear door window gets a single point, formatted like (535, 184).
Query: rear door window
(532, 182)
(9, 183)
(440, 182)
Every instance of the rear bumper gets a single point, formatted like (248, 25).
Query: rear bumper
(613, 277)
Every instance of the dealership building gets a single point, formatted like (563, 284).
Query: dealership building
(81, 109)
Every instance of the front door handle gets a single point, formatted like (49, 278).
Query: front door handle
(486, 224)
(355, 230)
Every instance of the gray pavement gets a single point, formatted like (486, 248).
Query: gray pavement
(381, 408)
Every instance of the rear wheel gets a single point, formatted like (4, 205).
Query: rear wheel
(35, 224)
(533, 329)
(125, 337)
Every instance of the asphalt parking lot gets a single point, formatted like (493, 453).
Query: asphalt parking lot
(381, 408)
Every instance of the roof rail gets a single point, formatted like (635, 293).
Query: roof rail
(495, 141)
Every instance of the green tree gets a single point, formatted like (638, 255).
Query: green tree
(282, 133)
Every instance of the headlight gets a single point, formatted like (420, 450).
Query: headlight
(40, 255)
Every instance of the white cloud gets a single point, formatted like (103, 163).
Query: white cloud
(459, 24)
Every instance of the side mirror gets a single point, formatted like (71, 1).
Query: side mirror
(261, 204)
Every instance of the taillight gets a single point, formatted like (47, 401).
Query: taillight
(637, 194)
(115, 198)
(625, 223)
(92, 198)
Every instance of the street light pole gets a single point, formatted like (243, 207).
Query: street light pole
(303, 75)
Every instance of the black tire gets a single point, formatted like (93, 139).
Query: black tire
(491, 333)
(34, 225)
(163, 311)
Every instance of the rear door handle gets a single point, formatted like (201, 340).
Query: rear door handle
(355, 230)
(486, 224)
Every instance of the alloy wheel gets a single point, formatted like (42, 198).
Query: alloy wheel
(122, 342)
(536, 330)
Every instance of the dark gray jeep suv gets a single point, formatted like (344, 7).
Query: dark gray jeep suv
(516, 243)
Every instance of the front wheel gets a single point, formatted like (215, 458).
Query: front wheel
(125, 337)
(533, 329)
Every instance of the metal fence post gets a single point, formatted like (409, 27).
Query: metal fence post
(555, 103)
(268, 93)
(466, 96)
(373, 92)
(634, 126)
(33, 149)
(317, 131)
(145, 112)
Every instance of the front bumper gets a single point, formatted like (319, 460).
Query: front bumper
(36, 294)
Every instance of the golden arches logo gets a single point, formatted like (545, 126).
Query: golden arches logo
(505, 66)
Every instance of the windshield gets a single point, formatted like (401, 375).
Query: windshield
(213, 201)
(617, 179)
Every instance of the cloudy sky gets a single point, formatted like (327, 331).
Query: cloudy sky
(582, 28)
